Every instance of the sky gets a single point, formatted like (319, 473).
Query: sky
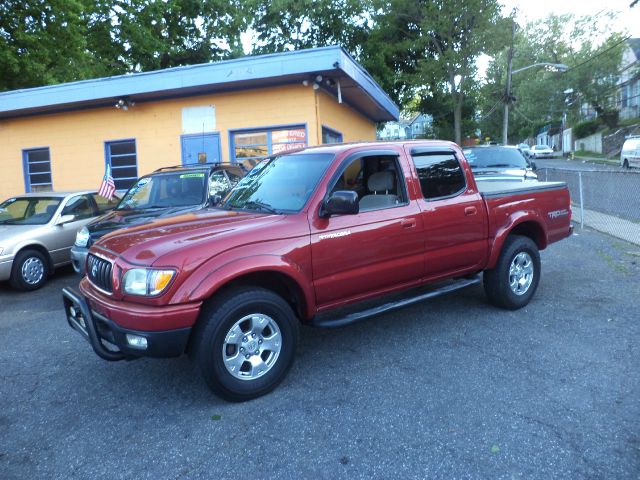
(626, 19)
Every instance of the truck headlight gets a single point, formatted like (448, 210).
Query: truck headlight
(82, 237)
(146, 281)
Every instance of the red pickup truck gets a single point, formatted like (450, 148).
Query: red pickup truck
(325, 236)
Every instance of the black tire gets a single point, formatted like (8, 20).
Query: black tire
(30, 270)
(625, 164)
(210, 349)
(498, 285)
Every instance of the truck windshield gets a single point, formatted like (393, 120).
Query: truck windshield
(280, 184)
(28, 210)
(166, 190)
(499, 157)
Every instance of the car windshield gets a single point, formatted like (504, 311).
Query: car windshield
(281, 184)
(495, 158)
(166, 190)
(28, 210)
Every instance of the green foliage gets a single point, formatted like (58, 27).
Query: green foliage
(42, 42)
(540, 98)
(584, 129)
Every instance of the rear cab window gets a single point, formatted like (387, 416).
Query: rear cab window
(439, 172)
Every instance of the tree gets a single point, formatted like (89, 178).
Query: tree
(154, 34)
(42, 42)
(281, 25)
(540, 99)
(446, 36)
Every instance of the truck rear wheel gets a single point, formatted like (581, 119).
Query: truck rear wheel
(514, 280)
(246, 343)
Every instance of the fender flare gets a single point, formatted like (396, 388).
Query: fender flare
(516, 219)
(204, 282)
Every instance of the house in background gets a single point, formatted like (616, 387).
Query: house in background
(418, 126)
(628, 100)
(61, 137)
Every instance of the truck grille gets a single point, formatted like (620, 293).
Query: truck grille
(99, 272)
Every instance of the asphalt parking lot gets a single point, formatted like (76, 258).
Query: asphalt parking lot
(453, 388)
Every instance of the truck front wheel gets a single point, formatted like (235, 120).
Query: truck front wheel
(246, 343)
(514, 280)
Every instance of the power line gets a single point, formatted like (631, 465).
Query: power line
(598, 54)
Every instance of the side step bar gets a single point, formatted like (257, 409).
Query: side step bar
(386, 307)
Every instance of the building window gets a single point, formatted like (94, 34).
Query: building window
(37, 170)
(121, 155)
(265, 142)
(331, 136)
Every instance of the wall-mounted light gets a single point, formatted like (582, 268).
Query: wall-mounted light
(124, 104)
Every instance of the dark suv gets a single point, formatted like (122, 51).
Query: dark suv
(163, 193)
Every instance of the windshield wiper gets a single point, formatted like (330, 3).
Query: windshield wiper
(260, 206)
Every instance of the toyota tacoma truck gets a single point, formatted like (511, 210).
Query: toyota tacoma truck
(323, 236)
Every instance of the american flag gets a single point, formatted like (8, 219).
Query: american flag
(107, 187)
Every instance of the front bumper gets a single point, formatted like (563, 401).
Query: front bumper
(109, 340)
(79, 259)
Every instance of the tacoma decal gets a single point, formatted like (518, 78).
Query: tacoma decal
(344, 233)
(558, 213)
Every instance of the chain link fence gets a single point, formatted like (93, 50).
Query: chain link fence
(606, 200)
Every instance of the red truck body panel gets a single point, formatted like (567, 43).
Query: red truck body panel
(330, 262)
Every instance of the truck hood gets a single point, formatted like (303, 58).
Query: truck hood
(144, 244)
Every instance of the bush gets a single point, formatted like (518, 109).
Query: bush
(584, 129)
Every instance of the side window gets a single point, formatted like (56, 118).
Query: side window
(377, 180)
(79, 206)
(103, 204)
(440, 174)
(218, 183)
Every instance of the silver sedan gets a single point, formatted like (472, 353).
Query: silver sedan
(37, 231)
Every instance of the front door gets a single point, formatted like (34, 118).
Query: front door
(379, 249)
(201, 148)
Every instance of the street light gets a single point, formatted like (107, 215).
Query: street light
(561, 67)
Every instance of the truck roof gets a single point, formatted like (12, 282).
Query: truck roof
(341, 147)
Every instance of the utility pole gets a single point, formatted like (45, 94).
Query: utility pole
(507, 92)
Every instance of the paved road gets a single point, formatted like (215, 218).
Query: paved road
(575, 165)
(449, 389)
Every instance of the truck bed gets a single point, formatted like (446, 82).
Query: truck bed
(506, 187)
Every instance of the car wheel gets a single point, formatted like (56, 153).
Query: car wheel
(245, 343)
(514, 280)
(625, 164)
(30, 270)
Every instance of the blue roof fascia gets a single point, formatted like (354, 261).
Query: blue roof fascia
(191, 78)
(366, 81)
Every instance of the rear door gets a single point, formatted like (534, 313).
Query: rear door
(453, 214)
(380, 248)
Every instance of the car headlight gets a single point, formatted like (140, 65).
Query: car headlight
(82, 237)
(146, 281)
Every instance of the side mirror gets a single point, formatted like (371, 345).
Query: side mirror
(65, 219)
(342, 202)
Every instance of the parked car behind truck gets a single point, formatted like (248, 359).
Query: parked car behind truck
(167, 191)
(37, 231)
(306, 237)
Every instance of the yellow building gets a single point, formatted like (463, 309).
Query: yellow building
(61, 137)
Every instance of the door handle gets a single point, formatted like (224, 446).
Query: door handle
(468, 211)
(408, 222)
